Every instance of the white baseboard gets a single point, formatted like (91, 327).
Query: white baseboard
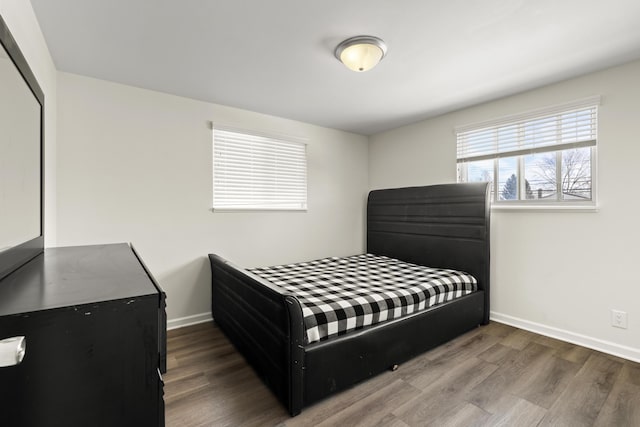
(181, 322)
(561, 334)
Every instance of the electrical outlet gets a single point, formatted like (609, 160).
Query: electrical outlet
(619, 319)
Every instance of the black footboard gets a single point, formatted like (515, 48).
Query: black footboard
(264, 325)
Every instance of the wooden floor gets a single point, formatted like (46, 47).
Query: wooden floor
(495, 375)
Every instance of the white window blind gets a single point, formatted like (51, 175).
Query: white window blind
(559, 128)
(255, 171)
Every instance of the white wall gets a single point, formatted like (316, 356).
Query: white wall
(135, 165)
(557, 273)
(22, 22)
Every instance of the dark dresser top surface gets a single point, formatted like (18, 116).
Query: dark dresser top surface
(77, 275)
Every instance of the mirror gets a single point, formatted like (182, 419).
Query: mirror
(19, 158)
(21, 101)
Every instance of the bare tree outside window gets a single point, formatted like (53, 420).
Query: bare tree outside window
(575, 173)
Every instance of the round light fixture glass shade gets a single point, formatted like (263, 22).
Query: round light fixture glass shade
(361, 53)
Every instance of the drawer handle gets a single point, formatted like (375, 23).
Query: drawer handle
(12, 351)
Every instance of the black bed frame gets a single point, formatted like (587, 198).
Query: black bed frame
(444, 226)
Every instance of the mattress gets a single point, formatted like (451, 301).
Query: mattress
(338, 295)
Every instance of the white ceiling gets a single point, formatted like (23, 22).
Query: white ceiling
(276, 56)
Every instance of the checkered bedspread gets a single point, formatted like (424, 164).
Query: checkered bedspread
(342, 294)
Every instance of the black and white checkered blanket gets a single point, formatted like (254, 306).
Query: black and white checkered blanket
(342, 294)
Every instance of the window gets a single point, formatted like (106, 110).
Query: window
(545, 157)
(252, 171)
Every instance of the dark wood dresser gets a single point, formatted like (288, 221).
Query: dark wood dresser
(95, 328)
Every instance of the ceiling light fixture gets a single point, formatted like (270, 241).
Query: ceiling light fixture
(361, 53)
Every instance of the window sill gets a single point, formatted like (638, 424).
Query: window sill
(231, 210)
(544, 208)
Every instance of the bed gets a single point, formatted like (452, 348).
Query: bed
(440, 226)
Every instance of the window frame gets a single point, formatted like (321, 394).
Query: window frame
(275, 138)
(557, 149)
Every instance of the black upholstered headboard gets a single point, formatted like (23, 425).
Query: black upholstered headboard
(444, 226)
